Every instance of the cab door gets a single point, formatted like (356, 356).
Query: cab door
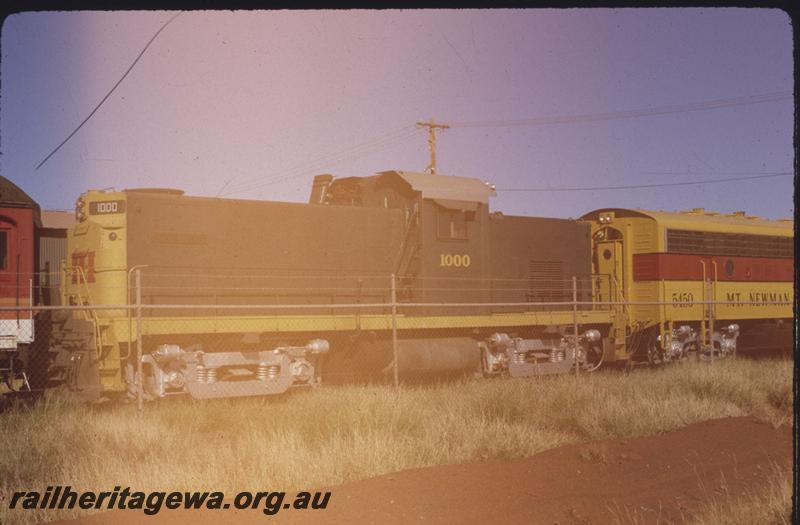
(9, 262)
(608, 256)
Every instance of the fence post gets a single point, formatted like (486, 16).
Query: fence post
(575, 321)
(394, 333)
(139, 378)
(713, 296)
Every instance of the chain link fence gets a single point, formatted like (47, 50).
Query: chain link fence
(155, 334)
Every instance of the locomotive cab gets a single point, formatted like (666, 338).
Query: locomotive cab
(446, 222)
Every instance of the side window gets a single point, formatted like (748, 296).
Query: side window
(452, 225)
(3, 250)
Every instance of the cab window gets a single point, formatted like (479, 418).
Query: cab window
(3, 250)
(452, 225)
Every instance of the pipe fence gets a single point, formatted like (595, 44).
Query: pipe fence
(165, 334)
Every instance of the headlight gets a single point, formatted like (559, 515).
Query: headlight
(592, 335)
(80, 209)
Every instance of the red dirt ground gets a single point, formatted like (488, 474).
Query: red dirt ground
(658, 479)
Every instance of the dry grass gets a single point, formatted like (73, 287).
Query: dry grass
(331, 435)
(770, 505)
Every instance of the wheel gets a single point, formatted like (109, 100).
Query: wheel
(655, 356)
(593, 359)
(485, 365)
(10, 373)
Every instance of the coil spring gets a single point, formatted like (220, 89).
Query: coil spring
(519, 357)
(267, 372)
(557, 355)
(202, 375)
(211, 375)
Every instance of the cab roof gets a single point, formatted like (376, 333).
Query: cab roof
(698, 219)
(444, 187)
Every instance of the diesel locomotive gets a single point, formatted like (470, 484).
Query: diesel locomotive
(694, 279)
(244, 297)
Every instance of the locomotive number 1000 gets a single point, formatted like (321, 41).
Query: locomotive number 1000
(106, 207)
(458, 260)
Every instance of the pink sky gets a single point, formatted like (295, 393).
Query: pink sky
(256, 103)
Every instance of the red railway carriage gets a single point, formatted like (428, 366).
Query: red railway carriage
(32, 246)
(19, 222)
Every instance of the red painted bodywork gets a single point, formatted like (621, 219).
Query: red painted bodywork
(678, 267)
(18, 270)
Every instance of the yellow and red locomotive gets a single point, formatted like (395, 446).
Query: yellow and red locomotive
(693, 280)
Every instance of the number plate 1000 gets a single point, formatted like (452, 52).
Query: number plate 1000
(458, 260)
(104, 207)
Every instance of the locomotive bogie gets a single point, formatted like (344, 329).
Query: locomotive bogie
(171, 369)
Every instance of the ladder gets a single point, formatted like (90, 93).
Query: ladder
(709, 309)
(621, 316)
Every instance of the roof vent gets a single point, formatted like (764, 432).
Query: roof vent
(736, 214)
(695, 211)
(162, 191)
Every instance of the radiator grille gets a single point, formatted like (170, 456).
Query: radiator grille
(732, 244)
(546, 282)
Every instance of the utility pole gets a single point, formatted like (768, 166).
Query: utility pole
(432, 126)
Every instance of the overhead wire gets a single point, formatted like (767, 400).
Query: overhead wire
(321, 158)
(323, 161)
(407, 132)
(635, 113)
(657, 185)
(113, 88)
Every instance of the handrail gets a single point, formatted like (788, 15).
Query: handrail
(401, 255)
(618, 291)
(339, 306)
(98, 339)
(128, 301)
